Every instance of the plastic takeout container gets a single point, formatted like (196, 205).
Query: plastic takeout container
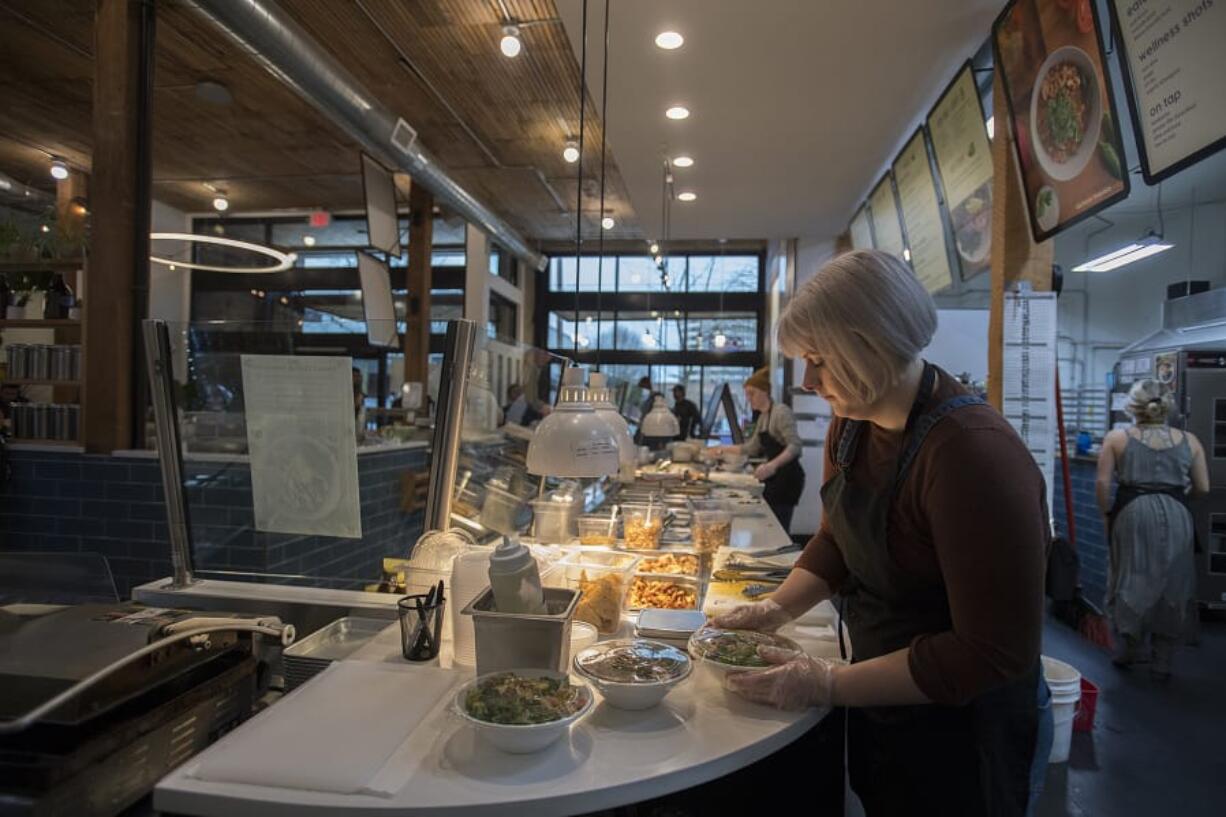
(633, 674)
(604, 578)
(522, 739)
(711, 529)
(643, 525)
(597, 530)
(554, 522)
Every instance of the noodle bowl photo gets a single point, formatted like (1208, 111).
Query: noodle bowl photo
(1065, 113)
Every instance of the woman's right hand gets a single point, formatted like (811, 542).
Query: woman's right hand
(765, 616)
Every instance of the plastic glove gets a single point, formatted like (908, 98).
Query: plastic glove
(765, 616)
(797, 681)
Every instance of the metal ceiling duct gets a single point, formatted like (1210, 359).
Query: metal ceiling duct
(275, 40)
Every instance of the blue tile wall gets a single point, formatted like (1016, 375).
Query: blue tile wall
(1091, 535)
(68, 502)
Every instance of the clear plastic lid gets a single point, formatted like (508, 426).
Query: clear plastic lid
(736, 649)
(633, 662)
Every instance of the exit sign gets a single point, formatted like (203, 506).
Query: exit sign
(320, 218)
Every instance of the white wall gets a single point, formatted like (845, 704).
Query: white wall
(1099, 310)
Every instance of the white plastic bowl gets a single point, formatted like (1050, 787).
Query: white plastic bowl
(528, 738)
(634, 695)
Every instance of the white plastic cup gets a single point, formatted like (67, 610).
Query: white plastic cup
(469, 576)
(1064, 681)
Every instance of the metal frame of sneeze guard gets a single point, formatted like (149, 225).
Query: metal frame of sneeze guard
(170, 448)
(461, 343)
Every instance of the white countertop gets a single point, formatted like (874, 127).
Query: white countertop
(611, 758)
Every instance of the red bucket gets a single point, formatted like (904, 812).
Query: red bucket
(1083, 721)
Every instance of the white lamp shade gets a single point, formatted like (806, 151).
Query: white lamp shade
(660, 422)
(627, 451)
(573, 441)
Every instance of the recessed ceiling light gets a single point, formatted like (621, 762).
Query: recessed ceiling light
(221, 204)
(308, 240)
(510, 44)
(571, 152)
(655, 248)
(683, 161)
(607, 222)
(678, 112)
(687, 196)
(669, 40)
(59, 170)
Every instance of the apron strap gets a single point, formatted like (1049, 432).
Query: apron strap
(850, 438)
(925, 424)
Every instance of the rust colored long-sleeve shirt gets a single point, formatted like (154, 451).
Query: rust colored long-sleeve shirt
(972, 512)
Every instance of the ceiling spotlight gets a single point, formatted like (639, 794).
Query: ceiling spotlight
(648, 341)
(655, 248)
(284, 301)
(607, 222)
(906, 255)
(221, 204)
(678, 112)
(59, 170)
(308, 240)
(683, 161)
(659, 259)
(571, 152)
(669, 40)
(510, 45)
(45, 228)
(687, 196)
(720, 340)
(172, 268)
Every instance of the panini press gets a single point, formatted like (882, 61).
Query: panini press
(101, 751)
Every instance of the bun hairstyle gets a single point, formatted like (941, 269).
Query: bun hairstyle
(1149, 402)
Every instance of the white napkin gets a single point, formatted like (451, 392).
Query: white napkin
(333, 734)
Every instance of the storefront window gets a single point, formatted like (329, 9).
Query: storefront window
(722, 332)
(732, 273)
(591, 273)
(648, 331)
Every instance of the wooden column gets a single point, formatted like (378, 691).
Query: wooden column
(417, 331)
(109, 325)
(1015, 256)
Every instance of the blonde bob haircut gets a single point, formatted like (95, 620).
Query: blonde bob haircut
(865, 315)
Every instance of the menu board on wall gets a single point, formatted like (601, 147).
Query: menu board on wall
(1175, 61)
(861, 230)
(964, 160)
(1065, 127)
(921, 215)
(887, 229)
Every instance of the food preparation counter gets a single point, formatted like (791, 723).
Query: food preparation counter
(440, 765)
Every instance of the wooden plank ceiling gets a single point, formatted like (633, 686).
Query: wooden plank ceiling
(497, 125)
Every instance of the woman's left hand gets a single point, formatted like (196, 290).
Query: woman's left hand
(797, 681)
(764, 472)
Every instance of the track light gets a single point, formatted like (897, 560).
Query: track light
(571, 152)
(607, 222)
(221, 203)
(511, 45)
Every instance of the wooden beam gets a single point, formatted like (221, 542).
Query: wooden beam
(1015, 256)
(108, 314)
(417, 330)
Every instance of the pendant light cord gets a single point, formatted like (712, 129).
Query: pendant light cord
(579, 194)
(604, 130)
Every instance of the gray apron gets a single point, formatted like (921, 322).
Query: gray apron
(931, 759)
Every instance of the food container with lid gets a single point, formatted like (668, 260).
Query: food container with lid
(554, 521)
(603, 577)
(643, 525)
(633, 674)
(672, 625)
(685, 563)
(503, 511)
(712, 530)
(599, 530)
(735, 650)
(523, 738)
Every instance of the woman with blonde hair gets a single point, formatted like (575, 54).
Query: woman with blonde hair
(1150, 529)
(933, 537)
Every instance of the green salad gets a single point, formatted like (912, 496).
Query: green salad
(736, 648)
(512, 699)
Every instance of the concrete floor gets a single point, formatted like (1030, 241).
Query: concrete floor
(1156, 748)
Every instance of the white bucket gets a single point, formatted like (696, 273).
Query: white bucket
(1064, 681)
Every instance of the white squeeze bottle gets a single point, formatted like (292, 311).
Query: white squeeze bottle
(516, 579)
